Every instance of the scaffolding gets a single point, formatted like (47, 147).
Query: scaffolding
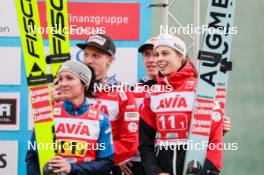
(168, 14)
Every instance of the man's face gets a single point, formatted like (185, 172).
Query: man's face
(98, 60)
(150, 62)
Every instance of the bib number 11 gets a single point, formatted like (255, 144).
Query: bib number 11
(172, 121)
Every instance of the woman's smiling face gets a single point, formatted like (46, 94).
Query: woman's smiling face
(167, 60)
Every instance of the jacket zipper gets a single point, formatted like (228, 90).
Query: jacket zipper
(157, 153)
(174, 161)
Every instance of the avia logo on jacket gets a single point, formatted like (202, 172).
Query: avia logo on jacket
(173, 101)
(73, 128)
(77, 128)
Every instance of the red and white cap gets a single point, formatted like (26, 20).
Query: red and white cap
(171, 41)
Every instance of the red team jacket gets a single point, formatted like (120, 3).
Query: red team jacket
(169, 115)
(121, 108)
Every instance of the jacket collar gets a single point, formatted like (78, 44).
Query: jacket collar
(76, 110)
(177, 78)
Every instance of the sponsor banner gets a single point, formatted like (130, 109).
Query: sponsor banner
(8, 19)
(9, 111)
(10, 65)
(30, 114)
(8, 157)
(40, 100)
(202, 117)
(120, 20)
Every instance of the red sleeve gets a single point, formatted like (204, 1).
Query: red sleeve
(128, 119)
(147, 115)
(215, 154)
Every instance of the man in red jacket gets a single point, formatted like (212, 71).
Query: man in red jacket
(99, 52)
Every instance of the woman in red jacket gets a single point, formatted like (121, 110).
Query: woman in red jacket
(166, 115)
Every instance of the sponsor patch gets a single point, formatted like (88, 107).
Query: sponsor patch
(132, 127)
(216, 116)
(131, 116)
(92, 114)
(57, 111)
(189, 85)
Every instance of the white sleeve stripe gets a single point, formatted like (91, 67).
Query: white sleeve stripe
(123, 95)
(108, 130)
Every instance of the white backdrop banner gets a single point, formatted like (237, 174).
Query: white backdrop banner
(10, 65)
(8, 19)
(8, 157)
